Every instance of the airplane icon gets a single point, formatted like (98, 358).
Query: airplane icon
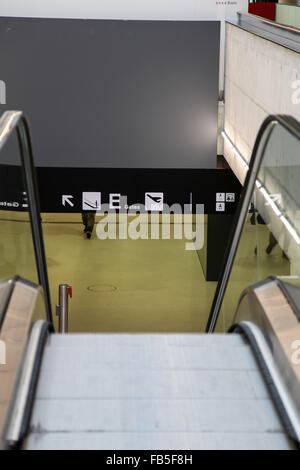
(154, 201)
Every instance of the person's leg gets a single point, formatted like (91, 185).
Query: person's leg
(84, 220)
(90, 224)
(272, 243)
(92, 220)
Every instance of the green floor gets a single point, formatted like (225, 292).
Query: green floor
(252, 264)
(127, 285)
(132, 285)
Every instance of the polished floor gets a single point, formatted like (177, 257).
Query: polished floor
(132, 285)
(252, 264)
(126, 285)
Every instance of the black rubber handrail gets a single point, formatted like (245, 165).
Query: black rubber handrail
(243, 328)
(11, 121)
(261, 142)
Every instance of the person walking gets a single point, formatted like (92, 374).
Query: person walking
(88, 220)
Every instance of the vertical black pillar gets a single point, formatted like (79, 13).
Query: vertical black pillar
(217, 228)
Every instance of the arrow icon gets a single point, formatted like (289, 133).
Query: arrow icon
(275, 198)
(66, 199)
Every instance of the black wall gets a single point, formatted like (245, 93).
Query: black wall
(115, 107)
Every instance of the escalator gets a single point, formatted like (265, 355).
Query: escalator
(236, 387)
(155, 391)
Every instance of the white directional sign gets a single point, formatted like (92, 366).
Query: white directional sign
(154, 201)
(91, 201)
(220, 197)
(230, 197)
(66, 199)
(275, 198)
(220, 207)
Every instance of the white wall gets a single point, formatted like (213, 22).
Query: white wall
(123, 9)
(259, 80)
(288, 15)
(263, 78)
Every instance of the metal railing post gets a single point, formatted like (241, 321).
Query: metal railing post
(62, 309)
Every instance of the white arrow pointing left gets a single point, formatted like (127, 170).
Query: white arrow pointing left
(66, 200)
(275, 198)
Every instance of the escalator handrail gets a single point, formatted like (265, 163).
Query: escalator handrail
(11, 121)
(11, 284)
(22, 400)
(261, 142)
(281, 398)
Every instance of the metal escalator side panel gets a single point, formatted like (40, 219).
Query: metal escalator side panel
(8, 122)
(25, 307)
(6, 289)
(22, 403)
(266, 308)
(292, 293)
